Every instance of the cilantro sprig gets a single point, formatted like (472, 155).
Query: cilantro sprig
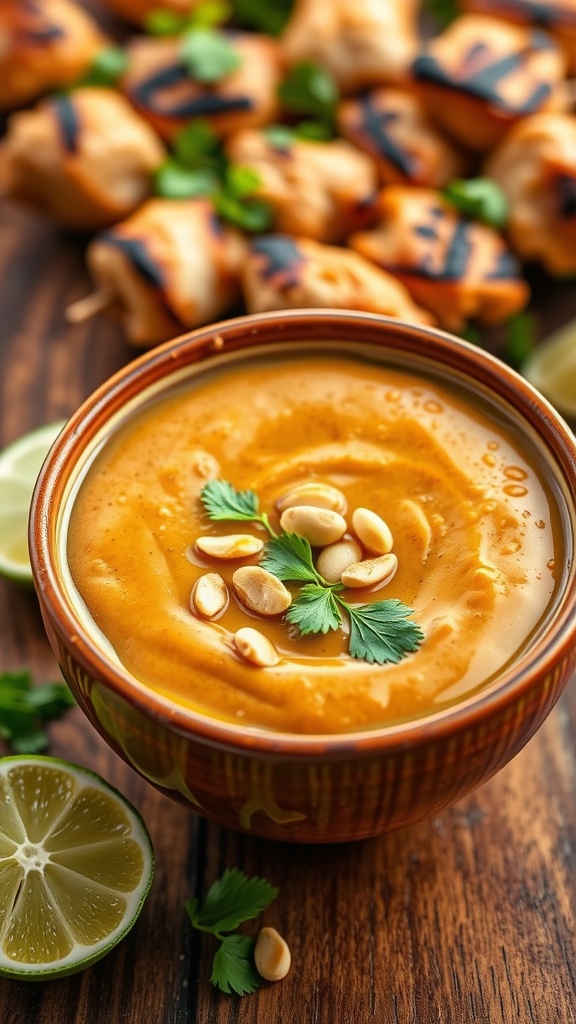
(479, 198)
(198, 167)
(310, 90)
(380, 633)
(25, 708)
(231, 900)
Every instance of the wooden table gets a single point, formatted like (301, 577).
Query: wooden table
(470, 917)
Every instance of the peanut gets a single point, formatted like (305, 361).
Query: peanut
(260, 591)
(372, 531)
(314, 493)
(371, 571)
(235, 545)
(333, 560)
(255, 647)
(209, 595)
(320, 526)
(271, 955)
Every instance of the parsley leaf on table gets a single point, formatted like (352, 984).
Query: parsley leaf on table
(381, 633)
(231, 900)
(315, 610)
(25, 708)
(233, 967)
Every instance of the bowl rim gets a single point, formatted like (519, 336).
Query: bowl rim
(240, 333)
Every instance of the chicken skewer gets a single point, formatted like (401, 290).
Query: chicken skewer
(44, 45)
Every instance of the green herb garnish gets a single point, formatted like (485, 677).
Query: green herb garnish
(25, 708)
(208, 55)
(206, 15)
(263, 15)
(442, 11)
(311, 91)
(520, 339)
(231, 900)
(236, 201)
(380, 633)
(175, 181)
(106, 69)
(479, 198)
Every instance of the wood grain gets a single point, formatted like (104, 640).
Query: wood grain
(466, 919)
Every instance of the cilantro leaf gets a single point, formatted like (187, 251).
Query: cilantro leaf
(442, 11)
(208, 56)
(174, 181)
(231, 900)
(479, 198)
(162, 22)
(233, 967)
(315, 610)
(520, 339)
(252, 215)
(197, 145)
(24, 708)
(381, 633)
(222, 501)
(262, 14)
(311, 90)
(107, 67)
(289, 557)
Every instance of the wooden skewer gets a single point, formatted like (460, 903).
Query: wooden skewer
(84, 309)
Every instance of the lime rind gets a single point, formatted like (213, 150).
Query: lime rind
(20, 464)
(64, 898)
(551, 368)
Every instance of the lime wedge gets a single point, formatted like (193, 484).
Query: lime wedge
(76, 864)
(20, 464)
(551, 368)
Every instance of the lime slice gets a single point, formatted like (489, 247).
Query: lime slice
(76, 864)
(20, 464)
(552, 368)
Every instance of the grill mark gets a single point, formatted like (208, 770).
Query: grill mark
(204, 105)
(136, 251)
(282, 256)
(68, 122)
(374, 123)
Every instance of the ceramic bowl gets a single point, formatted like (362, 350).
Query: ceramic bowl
(306, 788)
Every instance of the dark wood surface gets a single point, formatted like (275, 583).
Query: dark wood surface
(466, 919)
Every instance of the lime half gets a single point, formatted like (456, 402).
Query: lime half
(552, 368)
(76, 864)
(20, 464)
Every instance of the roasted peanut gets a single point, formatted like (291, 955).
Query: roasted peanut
(271, 955)
(235, 545)
(333, 560)
(255, 647)
(320, 526)
(260, 591)
(314, 493)
(209, 595)
(371, 571)
(372, 531)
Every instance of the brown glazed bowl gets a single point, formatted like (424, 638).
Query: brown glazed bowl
(306, 788)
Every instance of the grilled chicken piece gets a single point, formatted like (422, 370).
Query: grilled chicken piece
(136, 11)
(459, 269)
(392, 126)
(172, 265)
(283, 272)
(361, 42)
(44, 45)
(482, 75)
(323, 190)
(162, 89)
(535, 166)
(556, 16)
(85, 158)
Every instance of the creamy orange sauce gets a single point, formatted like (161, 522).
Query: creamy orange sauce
(475, 529)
